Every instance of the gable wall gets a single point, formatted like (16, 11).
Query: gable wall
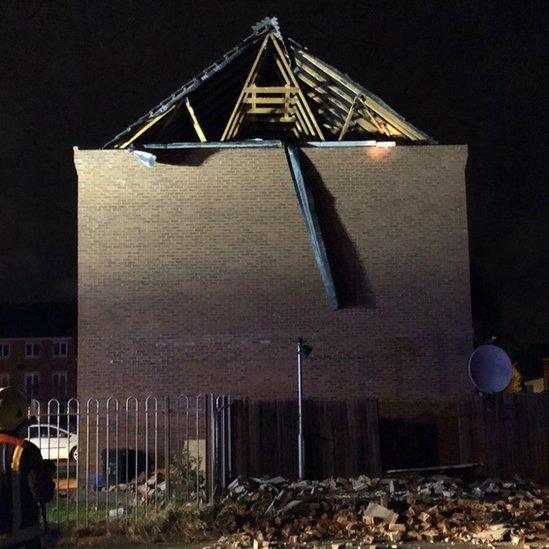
(200, 276)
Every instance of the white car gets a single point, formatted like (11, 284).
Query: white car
(54, 442)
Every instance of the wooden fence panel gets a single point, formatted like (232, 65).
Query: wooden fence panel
(341, 438)
(509, 434)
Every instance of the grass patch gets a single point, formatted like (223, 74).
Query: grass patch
(155, 521)
(181, 522)
(67, 514)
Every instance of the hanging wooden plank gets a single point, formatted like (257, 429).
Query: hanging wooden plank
(306, 202)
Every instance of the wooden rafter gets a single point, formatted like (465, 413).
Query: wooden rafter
(381, 127)
(348, 118)
(196, 124)
(252, 75)
(144, 128)
(332, 100)
(271, 100)
(302, 103)
(231, 59)
(337, 102)
(306, 125)
(284, 104)
(325, 74)
(313, 98)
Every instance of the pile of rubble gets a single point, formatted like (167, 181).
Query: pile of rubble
(153, 487)
(418, 509)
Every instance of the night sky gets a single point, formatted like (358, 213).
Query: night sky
(77, 73)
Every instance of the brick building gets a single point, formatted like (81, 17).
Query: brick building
(38, 350)
(347, 227)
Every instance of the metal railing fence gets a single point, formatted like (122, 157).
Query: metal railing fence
(125, 457)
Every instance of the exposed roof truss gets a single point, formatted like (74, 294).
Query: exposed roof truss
(283, 104)
(270, 88)
(336, 94)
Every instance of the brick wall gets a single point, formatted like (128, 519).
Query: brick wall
(198, 275)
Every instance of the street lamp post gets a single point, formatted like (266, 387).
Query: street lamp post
(303, 350)
(300, 444)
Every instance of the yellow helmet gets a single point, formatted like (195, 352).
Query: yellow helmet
(13, 408)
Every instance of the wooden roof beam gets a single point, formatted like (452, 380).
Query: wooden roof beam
(379, 109)
(285, 68)
(144, 128)
(340, 116)
(368, 123)
(196, 124)
(235, 120)
(348, 118)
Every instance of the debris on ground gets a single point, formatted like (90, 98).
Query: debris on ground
(153, 487)
(267, 511)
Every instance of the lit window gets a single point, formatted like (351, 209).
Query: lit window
(60, 384)
(60, 349)
(32, 350)
(32, 384)
(4, 380)
(4, 350)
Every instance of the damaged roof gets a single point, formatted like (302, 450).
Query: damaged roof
(269, 87)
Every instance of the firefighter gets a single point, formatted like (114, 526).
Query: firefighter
(25, 478)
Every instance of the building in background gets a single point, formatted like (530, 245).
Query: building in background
(38, 350)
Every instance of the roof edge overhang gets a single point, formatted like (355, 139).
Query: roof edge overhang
(273, 143)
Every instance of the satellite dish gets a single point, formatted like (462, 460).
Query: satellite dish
(490, 369)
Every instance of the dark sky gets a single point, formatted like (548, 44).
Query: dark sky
(78, 72)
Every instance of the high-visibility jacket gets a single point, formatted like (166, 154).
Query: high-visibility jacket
(24, 483)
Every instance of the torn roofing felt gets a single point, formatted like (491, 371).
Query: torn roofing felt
(269, 87)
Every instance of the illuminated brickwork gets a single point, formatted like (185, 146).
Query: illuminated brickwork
(198, 275)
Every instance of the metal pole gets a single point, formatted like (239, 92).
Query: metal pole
(300, 442)
(167, 449)
(211, 448)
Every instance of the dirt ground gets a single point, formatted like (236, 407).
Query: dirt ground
(325, 545)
